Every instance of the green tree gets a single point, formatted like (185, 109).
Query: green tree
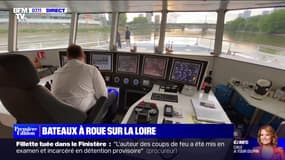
(122, 22)
(140, 25)
(275, 22)
(252, 24)
(122, 19)
(264, 25)
(140, 20)
(237, 24)
(272, 23)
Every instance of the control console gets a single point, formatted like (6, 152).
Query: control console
(144, 113)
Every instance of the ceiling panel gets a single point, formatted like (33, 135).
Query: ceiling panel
(31, 4)
(3, 5)
(90, 6)
(193, 5)
(137, 6)
(140, 5)
(255, 4)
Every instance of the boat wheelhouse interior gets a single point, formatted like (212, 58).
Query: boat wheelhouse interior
(226, 56)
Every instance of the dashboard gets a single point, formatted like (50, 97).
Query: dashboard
(135, 73)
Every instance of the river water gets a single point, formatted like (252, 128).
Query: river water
(236, 42)
(248, 43)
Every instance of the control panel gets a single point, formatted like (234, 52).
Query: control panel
(164, 97)
(136, 82)
(144, 112)
(126, 81)
(117, 79)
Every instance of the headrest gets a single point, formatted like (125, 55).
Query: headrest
(17, 71)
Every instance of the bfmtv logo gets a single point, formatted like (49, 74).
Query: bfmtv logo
(20, 13)
(20, 17)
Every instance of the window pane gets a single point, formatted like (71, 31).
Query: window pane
(190, 32)
(4, 22)
(41, 31)
(256, 35)
(143, 31)
(94, 31)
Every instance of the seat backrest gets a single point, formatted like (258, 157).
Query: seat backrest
(98, 112)
(26, 100)
(17, 71)
(281, 130)
(112, 106)
(104, 110)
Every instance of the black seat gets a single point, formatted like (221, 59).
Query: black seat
(29, 102)
(281, 130)
(112, 105)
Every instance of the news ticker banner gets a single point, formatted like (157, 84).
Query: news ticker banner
(128, 141)
(103, 131)
(202, 149)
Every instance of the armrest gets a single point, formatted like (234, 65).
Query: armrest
(111, 104)
(97, 112)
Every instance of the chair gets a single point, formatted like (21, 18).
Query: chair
(29, 102)
(281, 130)
(112, 105)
